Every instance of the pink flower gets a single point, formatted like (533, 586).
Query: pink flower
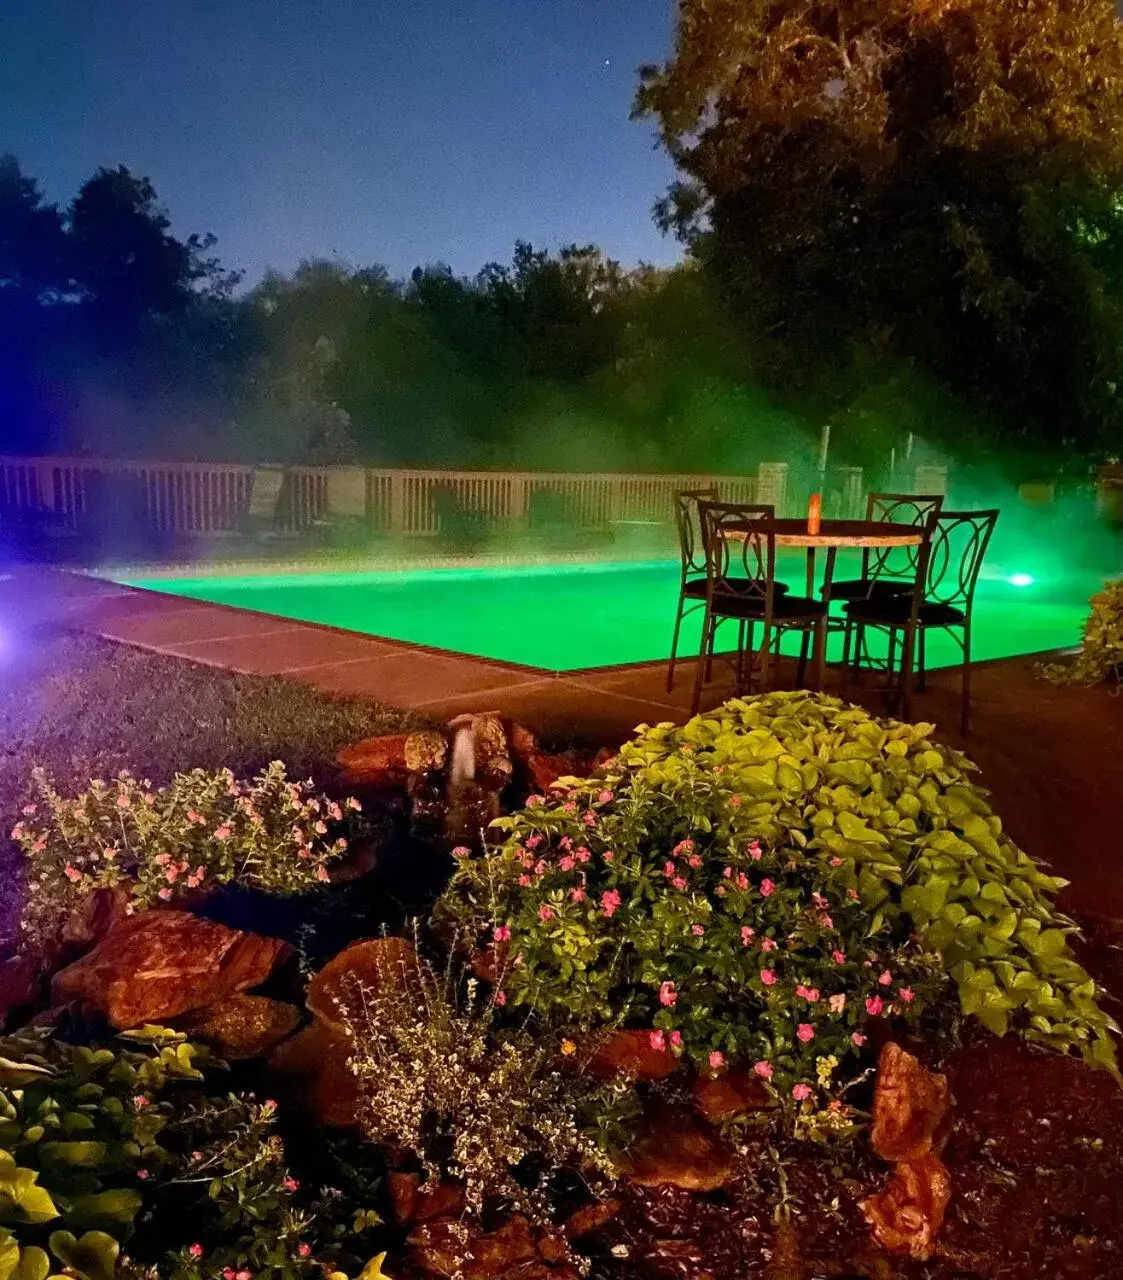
(810, 994)
(269, 1104)
(171, 874)
(819, 900)
(140, 1101)
(742, 881)
(590, 818)
(540, 867)
(676, 1039)
(805, 1032)
(502, 933)
(196, 1250)
(604, 797)
(164, 894)
(524, 882)
(531, 801)
(746, 934)
(683, 846)
(322, 874)
(717, 1060)
(609, 902)
(697, 930)
(826, 921)
(801, 1092)
(461, 851)
(734, 802)
(874, 1006)
(222, 833)
(767, 888)
(291, 1184)
(545, 912)
(694, 861)
(142, 1174)
(728, 873)
(836, 862)
(837, 1003)
(244, 1275)
(501, 998)
(839, 957)
(669, 869)
(907, 994)
(886, 979)
(321, 829)
(30, 810)
(768, 977)
(532, 842)
(657, 1041)
(767, 944)
(679, 882)
(755, 851)
(162, 859)
(608, 855)
(304, 1250)
(857, 1039)
(577, 895)
(72, 873)
(570, 806)
(668, 995)
(123, 802)
(583, 855)
(39, 845)
(567, 863)
(763, 1069)
(852, 894)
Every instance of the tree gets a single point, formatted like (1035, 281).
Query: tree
(932, 184)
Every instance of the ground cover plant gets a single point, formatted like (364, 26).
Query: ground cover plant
(763, 883)
(1101, 652)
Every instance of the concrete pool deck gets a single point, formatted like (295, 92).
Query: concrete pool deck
(1053, 757)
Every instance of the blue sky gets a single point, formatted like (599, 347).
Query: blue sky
(391, 131)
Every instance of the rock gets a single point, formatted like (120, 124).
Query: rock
(627, 1053)
(521, 740)
(159, 964)
(591, 1217)
(544, 770)
(95, 916)
(907, 1216)
(423, 1203)
(426, 751)
(315, 1062)
(21, 981)
(909, 1106)
(374, 762)
(242, 1026)
(731, 1094)
(676, 1149)
(378, 964)
(442, 1248)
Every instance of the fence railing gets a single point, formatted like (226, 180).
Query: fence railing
(222, 498)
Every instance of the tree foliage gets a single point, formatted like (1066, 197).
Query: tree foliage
(926, 183)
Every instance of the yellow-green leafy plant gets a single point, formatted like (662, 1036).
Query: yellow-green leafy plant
(204, 829)
(759, 884)
(1102, 650)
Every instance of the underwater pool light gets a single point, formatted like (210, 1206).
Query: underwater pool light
(1021, 580)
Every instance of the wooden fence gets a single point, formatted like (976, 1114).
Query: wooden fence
(218, 498)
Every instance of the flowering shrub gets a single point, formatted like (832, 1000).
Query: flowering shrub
(204, 829)
(436, 1077)
(1102, 650)
(749, 885)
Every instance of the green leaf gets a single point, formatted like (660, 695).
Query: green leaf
(93, 1257)
(119, 1206)
(84, 1155)
(34, 1264)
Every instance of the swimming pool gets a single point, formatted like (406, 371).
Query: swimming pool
(573, 617)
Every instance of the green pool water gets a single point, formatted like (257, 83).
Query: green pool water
(569, 617)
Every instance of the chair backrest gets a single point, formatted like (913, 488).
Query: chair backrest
(688, 526)
(740, 542)
(953, 553)
(898, 508)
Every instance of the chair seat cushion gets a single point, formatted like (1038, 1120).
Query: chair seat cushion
(896, 610)
(696, 587)
(869, 588)
(785, 608)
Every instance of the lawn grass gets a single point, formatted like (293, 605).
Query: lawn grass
(83, 708)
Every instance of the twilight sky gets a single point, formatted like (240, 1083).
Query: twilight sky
(391, 131)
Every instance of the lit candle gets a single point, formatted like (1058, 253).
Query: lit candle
(814, 513)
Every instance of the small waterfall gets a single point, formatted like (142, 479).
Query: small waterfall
(462, 768)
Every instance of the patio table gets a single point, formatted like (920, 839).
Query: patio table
(832, 534)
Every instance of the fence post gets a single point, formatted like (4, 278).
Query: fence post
(347, 493)
(772, 484)
(397, 520)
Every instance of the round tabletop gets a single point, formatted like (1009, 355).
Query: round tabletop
(838, 533)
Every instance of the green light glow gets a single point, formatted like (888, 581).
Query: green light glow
(1021, 580)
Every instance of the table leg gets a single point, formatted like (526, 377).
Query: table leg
(821, 629)
(810, 573)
